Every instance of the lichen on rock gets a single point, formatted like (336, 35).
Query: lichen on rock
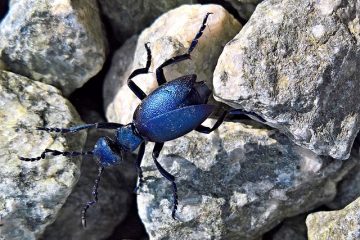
(340, 225)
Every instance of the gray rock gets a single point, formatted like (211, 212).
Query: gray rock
(130, 17)
(296, 64)
(32, 193)
(170, 35)
(57, 42)
(115, 196)
(236, 183)
(245, 8)
(335, 225)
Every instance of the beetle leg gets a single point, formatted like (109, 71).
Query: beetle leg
(136, 90)
(55, 153)
(168, 176)
(95, 197)
(104, 125)
(138, 166)
(198, 35)
(160, 72)
(234, 112)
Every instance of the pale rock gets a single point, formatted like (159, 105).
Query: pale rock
(60, 43)
(32, 193)
(296, 64)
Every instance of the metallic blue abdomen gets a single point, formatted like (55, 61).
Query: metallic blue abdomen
(173, 109)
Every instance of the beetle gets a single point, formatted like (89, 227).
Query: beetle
(172, 110)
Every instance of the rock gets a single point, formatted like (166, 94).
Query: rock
(170, 35)
(342, 224)
(32, 193)
(130, 17)
(245, 8)
(236, 183)
(115, 196)
(296, 64)
(56, 42)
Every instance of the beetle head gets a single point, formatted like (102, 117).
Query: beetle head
(107, 152)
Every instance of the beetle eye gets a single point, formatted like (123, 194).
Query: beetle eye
(107, 152)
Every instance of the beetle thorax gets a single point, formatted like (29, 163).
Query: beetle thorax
(127, 137)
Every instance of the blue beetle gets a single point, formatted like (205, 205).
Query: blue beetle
(170, 111)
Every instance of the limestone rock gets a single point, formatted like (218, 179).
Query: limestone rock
(339, 225)
(130, 17)
(236, 183)
(33, 192)
(170, 35)
(115, 196)
(57, 42)
(296, 64)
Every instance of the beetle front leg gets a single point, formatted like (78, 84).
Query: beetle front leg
(160, 72)
(165, 174)
(136, 90)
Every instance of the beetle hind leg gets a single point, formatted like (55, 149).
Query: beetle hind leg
(234, 112)
(168, 176)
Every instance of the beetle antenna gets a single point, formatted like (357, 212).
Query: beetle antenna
(55, 153)
(95, 197)
(104, 125)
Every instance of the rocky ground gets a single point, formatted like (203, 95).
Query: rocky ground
(292, 62)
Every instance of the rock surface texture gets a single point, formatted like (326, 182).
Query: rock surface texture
(335, 225)
(130, 17)
(170, 35)
(57, 42)
(33, 192)
(296, 64)
(236, 183)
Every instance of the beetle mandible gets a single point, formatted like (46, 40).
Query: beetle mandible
(172, 110)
